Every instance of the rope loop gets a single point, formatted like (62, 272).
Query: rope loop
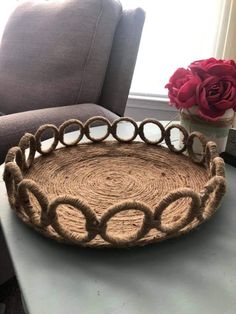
(15, 154)
(168, 138)
(217, 167)
(114, 129)
(142, 133)
(67, 123)
(113, 210)
(12, 176)
(90, 216)
(210, 152)
(211, 196)
(38, 218)
(195, 157)
(97, 120)
(173, 196)
(38, 135)
(28, 141)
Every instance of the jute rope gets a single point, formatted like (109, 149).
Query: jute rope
(27, 141)
(115, 193)
(66, 124)
(142, 133)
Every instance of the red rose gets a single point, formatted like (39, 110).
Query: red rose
(215, 95)
(182, 88)
(209, 84)
(213, 67)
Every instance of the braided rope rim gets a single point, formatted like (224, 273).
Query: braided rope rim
(202, 206)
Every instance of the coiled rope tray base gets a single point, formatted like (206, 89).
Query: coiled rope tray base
(116, 193)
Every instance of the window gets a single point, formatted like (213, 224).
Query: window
(175, 34)
(6, 7)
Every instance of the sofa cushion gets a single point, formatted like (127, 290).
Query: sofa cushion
(14, 126)
(56, 52)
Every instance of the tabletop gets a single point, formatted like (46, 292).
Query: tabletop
(194, 273)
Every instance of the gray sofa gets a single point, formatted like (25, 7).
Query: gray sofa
(65, 59)
(62, 60)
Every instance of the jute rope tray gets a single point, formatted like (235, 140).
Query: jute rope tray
(113, 193)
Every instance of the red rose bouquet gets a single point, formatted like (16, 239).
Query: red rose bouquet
(209, 85)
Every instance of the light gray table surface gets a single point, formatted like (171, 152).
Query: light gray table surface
(193, 274)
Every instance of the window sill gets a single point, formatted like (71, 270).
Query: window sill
(145, 106)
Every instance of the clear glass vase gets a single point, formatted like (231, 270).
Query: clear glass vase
(216, 131)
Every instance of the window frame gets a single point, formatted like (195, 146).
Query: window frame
(225, 49)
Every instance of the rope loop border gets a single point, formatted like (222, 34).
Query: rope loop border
(171, 197)
(18, 187)
(38, 135)
(15, 153)
(142, 133)
(190, 142)
(28, 142)
(67, 123)
(90, 217)
(27, 185)
(127, 205)
(168, 140)
(114, 129)
(87, 129)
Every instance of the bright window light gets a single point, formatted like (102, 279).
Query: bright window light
(175, 34)
(6, 7)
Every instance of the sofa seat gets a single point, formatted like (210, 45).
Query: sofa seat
(14, 126)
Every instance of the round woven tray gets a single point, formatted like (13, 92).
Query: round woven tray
(113, 193)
